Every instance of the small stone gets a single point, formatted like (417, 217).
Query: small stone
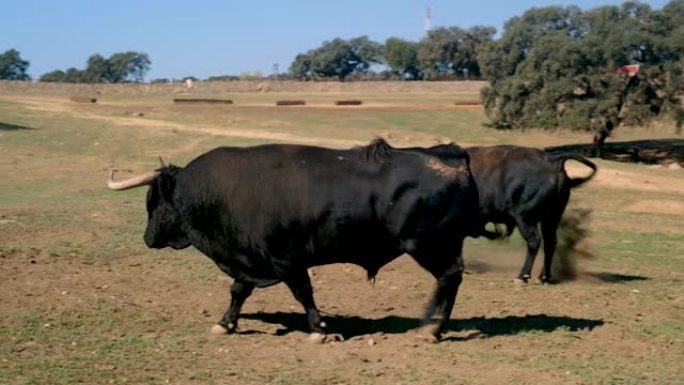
(371, 342)
(674, 166)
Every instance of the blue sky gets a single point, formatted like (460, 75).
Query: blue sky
(205, 38)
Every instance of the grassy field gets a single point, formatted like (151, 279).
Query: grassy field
(84, 301)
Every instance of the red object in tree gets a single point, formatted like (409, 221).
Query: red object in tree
(629, 70)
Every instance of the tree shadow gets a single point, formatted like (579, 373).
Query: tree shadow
(352, 326)
(656, 151)
(13, 127)
(616, 278)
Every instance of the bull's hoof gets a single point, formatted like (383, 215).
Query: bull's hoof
(429, 333)
(545, 280)
(316, 338)
(520, 281)
(218, 330)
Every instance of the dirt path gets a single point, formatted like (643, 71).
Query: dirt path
(646, 181)
(52, 105)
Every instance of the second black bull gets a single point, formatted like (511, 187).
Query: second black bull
(265, 214)
(526, 188)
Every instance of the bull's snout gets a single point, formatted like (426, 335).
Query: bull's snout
(151, 240)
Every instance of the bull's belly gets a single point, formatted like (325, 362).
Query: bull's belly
(241, 268)
(265, 271)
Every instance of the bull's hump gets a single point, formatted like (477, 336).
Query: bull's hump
(445, 170)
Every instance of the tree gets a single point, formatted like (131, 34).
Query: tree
(334, 59)
(401, 57)
(453, 51)
(12, 66)
(128, 66)
(302, 67)
(337, 58)
(560, 67)
(56, 76)
(71, 75)
(97, 69)
(74, 75)
(367, 51)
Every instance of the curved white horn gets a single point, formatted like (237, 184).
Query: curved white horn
(136, 181)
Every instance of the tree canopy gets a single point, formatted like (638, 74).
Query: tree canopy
(453, 51)
(401, 56)
(562, 67)
(12, 66)
(337, 58)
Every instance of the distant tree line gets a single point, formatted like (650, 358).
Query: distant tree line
(121, 67)
(444, 53)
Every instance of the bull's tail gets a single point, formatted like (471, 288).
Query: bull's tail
(566, 181)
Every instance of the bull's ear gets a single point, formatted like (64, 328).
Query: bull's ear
(166, 185)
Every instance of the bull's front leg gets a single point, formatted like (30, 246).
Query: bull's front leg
(239, 292)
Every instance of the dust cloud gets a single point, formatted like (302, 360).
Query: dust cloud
(507, 256)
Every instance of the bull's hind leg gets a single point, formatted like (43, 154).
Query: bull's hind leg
(442, 302)
(530, 233)
(300, 285)
(239, 292)
(549, 227)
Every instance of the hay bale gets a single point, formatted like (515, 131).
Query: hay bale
(468, 103)
(83, 99)
(290, 102)
(202, 101)
(348, 103)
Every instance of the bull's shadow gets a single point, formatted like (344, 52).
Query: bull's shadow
(352, 326)
(12, 127)
(616, 277)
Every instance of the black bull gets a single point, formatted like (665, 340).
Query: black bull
(265, 214)
(526, 188)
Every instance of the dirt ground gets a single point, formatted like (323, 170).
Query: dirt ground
(83, 301)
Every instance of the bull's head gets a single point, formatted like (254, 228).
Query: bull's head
(164, 223)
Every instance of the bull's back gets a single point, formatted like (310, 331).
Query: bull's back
(508, 176)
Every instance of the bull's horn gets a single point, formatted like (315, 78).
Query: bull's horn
(136, 181)
(161, 162)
